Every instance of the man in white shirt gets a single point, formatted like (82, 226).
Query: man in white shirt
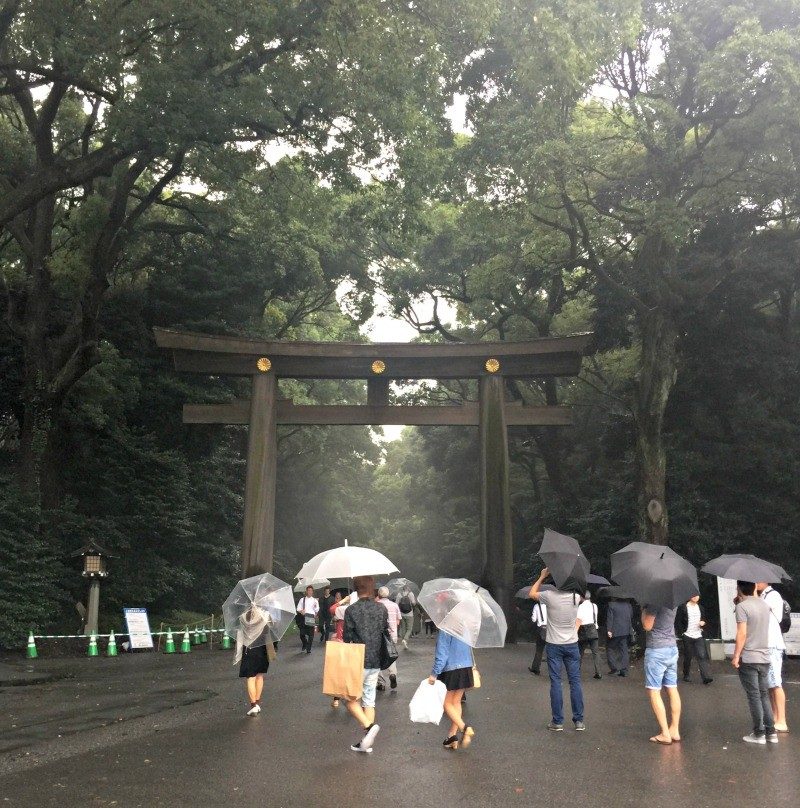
(777, 648)
(394, 622)
(539, 618)
(308, 608)
(588, 634)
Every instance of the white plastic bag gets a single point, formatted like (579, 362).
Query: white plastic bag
(427, 704)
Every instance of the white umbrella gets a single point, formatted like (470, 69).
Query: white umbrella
(464, 610)
(304, 583)
(346, 562)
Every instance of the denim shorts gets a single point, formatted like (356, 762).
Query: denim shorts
(775, 677)
(370, 685)
(661, 667)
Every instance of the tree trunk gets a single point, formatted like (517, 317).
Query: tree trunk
(657, 375)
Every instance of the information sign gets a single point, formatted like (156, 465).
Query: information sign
(138, 628)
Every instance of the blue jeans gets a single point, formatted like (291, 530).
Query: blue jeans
(567, 656)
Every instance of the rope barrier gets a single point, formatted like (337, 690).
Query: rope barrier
(116, 634)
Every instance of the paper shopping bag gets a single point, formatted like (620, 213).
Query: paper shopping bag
(343, 674)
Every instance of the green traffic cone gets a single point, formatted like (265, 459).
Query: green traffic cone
(112, 644)
(92, 646)
(196, 637)
(32, 653)
(169, 645)
(186, 645)
(226, 642)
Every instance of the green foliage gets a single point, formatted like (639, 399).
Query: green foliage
(31, 594)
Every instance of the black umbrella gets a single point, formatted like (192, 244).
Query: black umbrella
(565, 560)
(743, 567)
(613, 592)
(654, 574)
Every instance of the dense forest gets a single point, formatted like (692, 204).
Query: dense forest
(629, 168)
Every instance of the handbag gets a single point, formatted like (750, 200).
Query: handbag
(389, 653)
(343, 674)
(309, 620)
(476, 674)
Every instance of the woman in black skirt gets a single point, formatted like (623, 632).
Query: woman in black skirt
(252, 641)
(452, 664)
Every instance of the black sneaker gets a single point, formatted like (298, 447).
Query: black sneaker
(392, 681)
(598, 676)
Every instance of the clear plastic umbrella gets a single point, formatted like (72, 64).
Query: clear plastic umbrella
(398, 585)
(257, 604)
(304, 583)
(346, 562)
(464, 610)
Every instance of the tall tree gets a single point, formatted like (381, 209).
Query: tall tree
(657, 154)
(112, 113)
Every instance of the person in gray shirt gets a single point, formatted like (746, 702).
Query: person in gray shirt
(751, 658)
(562, 651)
(661, 670)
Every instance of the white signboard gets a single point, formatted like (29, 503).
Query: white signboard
(792, 636)
(726, 592)
(138, 628)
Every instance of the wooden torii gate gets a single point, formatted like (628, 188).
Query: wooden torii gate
(379, 363)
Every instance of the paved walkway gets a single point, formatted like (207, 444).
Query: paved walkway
(152, 730)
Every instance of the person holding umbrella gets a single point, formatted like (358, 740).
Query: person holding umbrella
(452, 664)
(562, 651)
(467, 617)
(257, 613)
(661, 670)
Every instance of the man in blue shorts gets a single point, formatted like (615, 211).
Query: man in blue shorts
(661, 670)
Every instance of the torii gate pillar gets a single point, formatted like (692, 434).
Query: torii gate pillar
(258, 533)
(496, 536)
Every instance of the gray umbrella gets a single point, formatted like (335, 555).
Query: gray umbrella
(743, 567)
(564, 559)
(597, 580)
(654, 574)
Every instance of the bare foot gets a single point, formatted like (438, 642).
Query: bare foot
(664, 740)
(675, 738)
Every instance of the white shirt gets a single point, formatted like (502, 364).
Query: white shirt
(587, 613)
(774, 600)
(693, 628)
(308, 606)
(539, 614)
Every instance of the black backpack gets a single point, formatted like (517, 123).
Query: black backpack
(405, 605)
(786, 620)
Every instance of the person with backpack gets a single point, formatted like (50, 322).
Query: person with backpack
(562, 651)
(777, 648)
(406, 601)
